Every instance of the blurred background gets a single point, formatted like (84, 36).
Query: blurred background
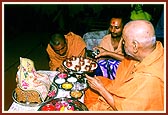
(27, 29)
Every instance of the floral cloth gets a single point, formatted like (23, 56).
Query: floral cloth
(28, 79)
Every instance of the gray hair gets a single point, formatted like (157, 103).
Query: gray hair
(151, 41)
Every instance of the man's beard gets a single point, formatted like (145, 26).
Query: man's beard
(113, 35)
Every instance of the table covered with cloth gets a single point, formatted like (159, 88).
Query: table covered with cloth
(61, 93)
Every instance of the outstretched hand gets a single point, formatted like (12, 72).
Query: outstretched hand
(103, 52)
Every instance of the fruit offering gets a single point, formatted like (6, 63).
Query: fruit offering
(76, 94)
(62, 75)
(63, 104)
(48, 107)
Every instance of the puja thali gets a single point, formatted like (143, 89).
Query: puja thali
(63, 104)
(80, 65)
(51, 94)
(70, 82)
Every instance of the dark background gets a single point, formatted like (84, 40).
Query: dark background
(67, 17)
(27, 29)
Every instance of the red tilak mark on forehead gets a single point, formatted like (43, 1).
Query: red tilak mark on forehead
(113, 22)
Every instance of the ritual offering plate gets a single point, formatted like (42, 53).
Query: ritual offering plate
(59, 81)
(51, 94)
(76, 94)
(67, 86)
(72, 79)
(80, 64)
(62, 75)
(79, 86)
(63, 104)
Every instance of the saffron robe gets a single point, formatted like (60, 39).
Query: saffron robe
(76, 47)
(106, 44)
(137, 87)
(106, 64)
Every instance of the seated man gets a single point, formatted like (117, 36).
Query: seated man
(139, 83)
(111, 46)
(64, 46)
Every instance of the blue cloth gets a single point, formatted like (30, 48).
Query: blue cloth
(107, 68)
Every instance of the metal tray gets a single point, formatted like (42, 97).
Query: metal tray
(48, 98)
(81, 71)
(78, 106)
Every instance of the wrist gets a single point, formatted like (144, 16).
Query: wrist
(102, 90)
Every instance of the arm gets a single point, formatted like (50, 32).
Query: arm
(53, 62)
(104, 52)
(52, 66)
(83, 52)
(97, 85)
(108, 97)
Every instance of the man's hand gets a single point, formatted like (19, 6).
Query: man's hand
(61, 69)
(103, 52)
(94, 83)
(97, 85)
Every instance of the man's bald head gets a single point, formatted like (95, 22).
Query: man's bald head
(56, 39)
(140, 30)
(139, 38)
(58, 44)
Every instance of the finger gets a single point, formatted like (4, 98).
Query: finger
(96, 78)
(95, 48)
(90, 83)
(88, 77)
